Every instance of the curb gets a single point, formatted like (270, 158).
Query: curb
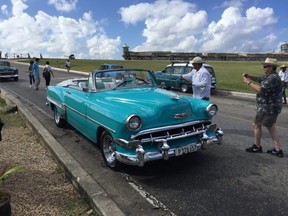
(60, 69)
(81, 180)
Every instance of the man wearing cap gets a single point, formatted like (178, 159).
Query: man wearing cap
(283, 73)
(268, 105)
(200, 78)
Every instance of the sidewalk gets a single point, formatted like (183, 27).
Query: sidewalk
(82, 181)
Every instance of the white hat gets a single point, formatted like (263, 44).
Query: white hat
(283, 66)
(197, 60)
(270, 61)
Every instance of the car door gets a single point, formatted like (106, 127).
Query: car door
(165, 76)
(213, 77)
(75, 99)
(179, 70)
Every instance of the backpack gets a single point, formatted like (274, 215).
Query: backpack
(46, 71)
(30, 68)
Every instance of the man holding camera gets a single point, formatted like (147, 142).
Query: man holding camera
(268, 105)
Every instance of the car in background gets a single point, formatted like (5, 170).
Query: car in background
(131, 119)
(7, 71)
(72, 56)
(110, 66)
(170, 76)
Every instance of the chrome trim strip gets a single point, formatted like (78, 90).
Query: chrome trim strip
(56, 103)
(60, 105)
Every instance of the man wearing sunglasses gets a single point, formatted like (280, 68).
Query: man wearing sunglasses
(268, 90)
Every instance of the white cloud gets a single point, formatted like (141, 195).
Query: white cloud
(54, 36)
(101, 47)
(170, 25)
(18, 7)
(233, 3)
(4, 9)
(176, 25)
(237, 33)
(64, 5)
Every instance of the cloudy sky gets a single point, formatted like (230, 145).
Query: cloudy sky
(97, 29)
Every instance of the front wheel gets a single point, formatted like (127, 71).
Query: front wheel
(184, 88)
(108, 150)
(59, 121)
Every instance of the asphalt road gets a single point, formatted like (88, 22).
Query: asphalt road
(221, 180)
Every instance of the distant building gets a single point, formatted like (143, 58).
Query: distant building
(187, 56)
(284, 47)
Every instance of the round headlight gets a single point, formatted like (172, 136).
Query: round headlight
(133, 122)
(211, 110)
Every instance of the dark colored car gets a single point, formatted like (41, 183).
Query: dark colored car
(72, 56)
(110, 66)
(7, 71)
(170, 76)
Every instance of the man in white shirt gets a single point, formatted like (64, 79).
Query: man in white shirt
(200, 78)
(283, 73)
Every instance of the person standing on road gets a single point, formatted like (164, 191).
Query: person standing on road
(47, 72)
(283, 73)
(68, 65)
(31, 75)
(268, 105)
(36, 73)
(200, 78)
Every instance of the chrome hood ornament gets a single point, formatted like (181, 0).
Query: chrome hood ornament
(176, 97)
(180, 116)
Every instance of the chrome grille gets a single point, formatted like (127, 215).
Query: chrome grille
(170, 131)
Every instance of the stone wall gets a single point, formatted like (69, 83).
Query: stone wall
(182, 56)
(208, 56)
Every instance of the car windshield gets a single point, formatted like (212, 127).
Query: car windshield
(116, 67)
(129, 78)
(4, 63)
(211, 71)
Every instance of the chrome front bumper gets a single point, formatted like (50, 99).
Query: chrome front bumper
(164, 151)
(6, 76)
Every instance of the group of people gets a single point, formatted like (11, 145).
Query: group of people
(35, 74)
(269, 89)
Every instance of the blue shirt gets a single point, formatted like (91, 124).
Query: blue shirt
(36, 70)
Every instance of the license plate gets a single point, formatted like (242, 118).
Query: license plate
(185, 150)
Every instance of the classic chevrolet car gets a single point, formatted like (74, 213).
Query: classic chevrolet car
(7, 71)
(131, 118)
(170, 76)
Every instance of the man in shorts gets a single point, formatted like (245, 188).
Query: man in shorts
(268, 105)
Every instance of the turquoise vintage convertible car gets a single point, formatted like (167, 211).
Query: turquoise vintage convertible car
(131, 118)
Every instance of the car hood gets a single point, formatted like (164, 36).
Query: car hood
(7, 68)
(156, 107)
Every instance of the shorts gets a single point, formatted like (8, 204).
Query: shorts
(265, 120)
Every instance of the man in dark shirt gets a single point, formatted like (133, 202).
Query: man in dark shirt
(268, 105)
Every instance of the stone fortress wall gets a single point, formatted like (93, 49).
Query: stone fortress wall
(187, 56)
